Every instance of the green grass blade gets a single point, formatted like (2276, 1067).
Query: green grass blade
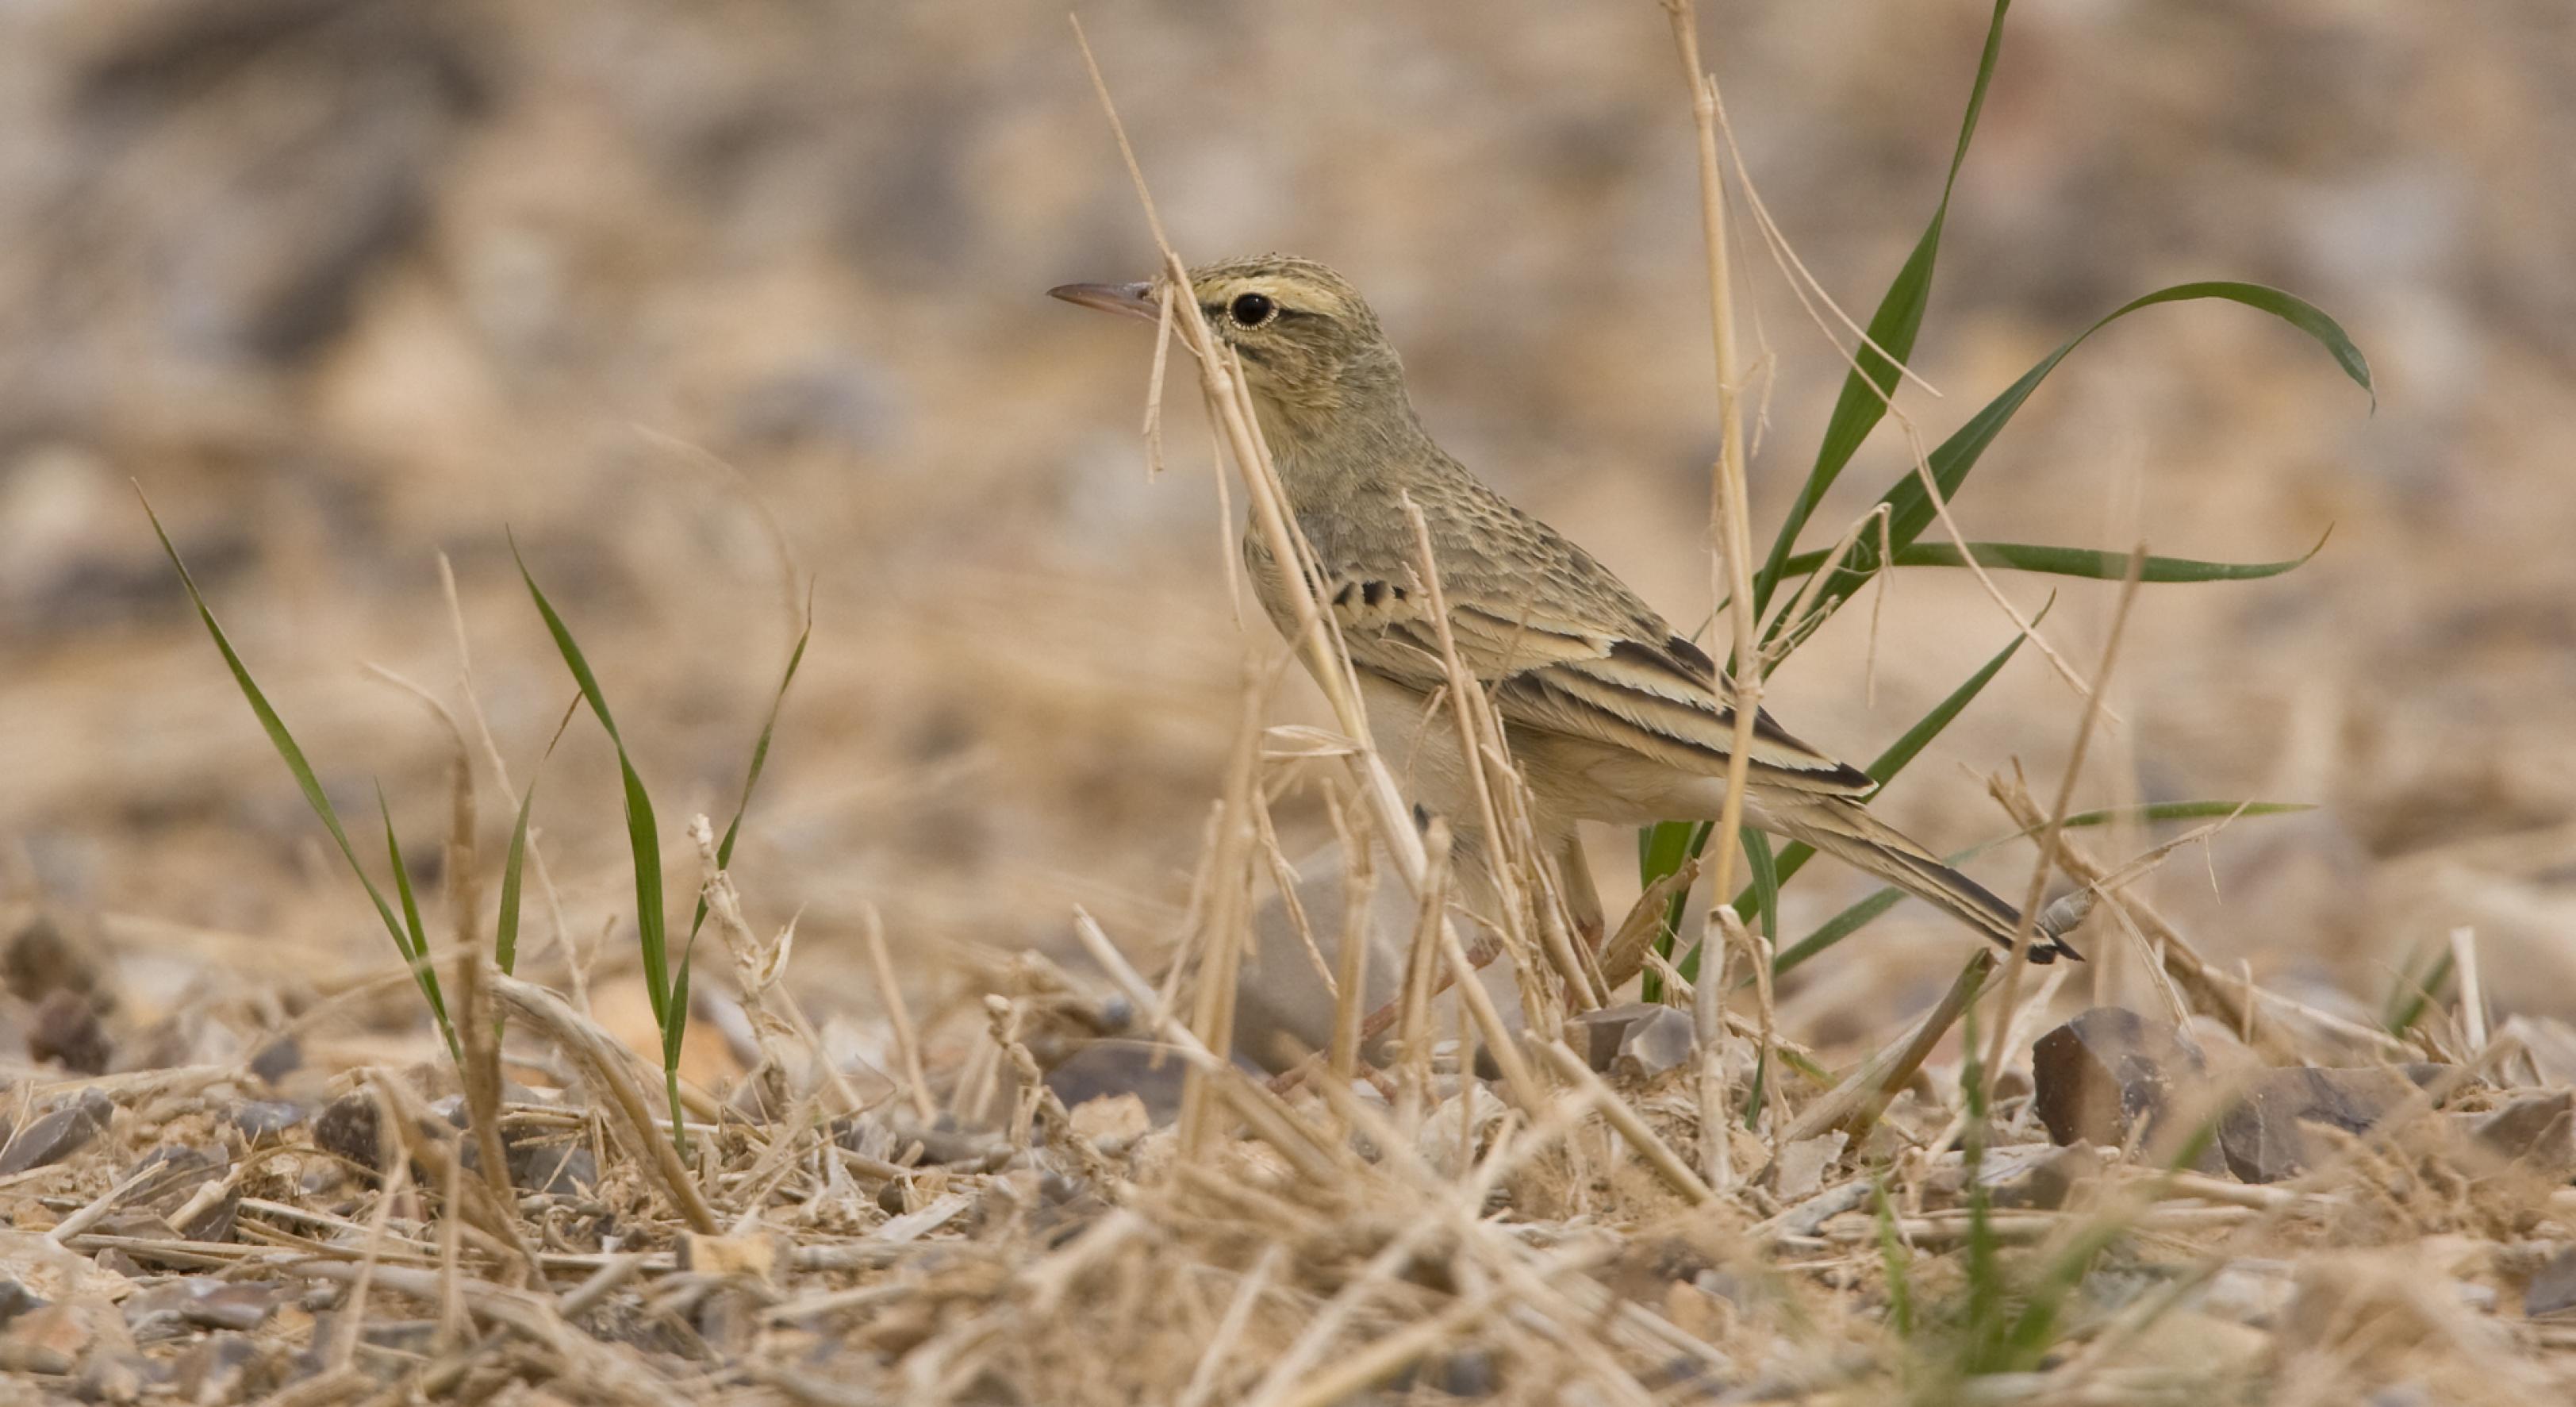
(1896, 324)
(296, 765)
(1834, 930)
(2182, 811)
(1910, 505)
(768, 728)
(1905, 749)
(2084, 562)
(505, 931)
(505, 928)
(733, 829)
(643, 833)
(1794, 856)
(644, 838)
(1765, 887)
(416, 950)
(2414, 995)
(1663, 848)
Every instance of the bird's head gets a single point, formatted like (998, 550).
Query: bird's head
(1311, 349)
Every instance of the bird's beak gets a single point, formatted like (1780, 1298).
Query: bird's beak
(1136, 300)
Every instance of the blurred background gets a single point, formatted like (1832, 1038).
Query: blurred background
(680, 294)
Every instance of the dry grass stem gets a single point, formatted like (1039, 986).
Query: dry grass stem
(2045, 864)
(1658, 1154)
(1729, 525)
(907, 1040)
(608, 1066)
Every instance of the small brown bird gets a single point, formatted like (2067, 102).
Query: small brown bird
(1610, 714)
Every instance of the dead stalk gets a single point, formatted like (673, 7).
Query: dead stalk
(2049, 834)
(907, 1043)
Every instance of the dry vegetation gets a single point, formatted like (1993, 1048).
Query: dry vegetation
(704, 306)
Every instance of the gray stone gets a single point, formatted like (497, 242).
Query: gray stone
(53, 1137)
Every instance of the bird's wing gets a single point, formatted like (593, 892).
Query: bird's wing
(1565, 648)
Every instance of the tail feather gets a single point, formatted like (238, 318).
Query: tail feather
(1849, 833)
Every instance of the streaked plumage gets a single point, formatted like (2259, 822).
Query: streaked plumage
(1611, 714)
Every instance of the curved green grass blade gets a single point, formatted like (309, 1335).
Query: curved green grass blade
(1905, 749)
(1663, 848)
(643, 833)
(1794, 856)
(505, 932)
(644, 838)
(2173, 811)
(2085, 562)
(416, 951)
(1766, 881)
(733, 829)
(300, 769)
(1899, 319)
(1910, 504)
(2414, 995)
(1834, 930)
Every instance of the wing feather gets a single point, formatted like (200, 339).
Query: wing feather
(1630, 684)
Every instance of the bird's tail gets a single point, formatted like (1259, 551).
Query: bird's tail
(1846, 831)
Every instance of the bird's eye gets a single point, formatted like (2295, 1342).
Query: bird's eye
(1252, 309)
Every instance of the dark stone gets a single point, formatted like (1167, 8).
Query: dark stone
(171, 1172)
(548, 1163)
(1601, 1035)
(265, 1121)
(216, 1223)
(277, 1060)
(115, 1261)
(67, 1030)
(351, 1128)
(945, 1144)
(2110, 1074)
(2538, 1130)
(1144, 1069)
(172, 1175)
(136, 1224)
(226, 1367)
(2034, 1176)
(2553, 1290)
(1468, 1373)
(15, 1299)
(42, 960)
(867, 1135)
(560, 1167)
(1066, 1206)
(53, 1137)
(1654, 1043)
(2263, 1138)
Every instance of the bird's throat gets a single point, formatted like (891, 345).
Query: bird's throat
(1328, 446)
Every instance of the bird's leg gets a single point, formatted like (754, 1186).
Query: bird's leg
(1582, 901)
